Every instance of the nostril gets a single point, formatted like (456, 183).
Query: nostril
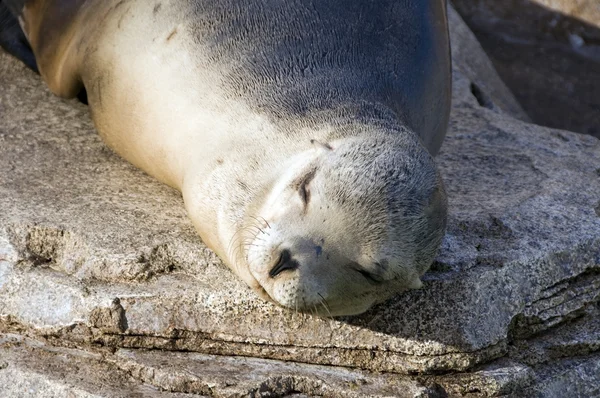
(284, 263)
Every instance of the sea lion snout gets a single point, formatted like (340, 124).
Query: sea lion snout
(372, 226)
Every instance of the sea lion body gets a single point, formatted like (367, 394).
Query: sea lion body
(299, 132)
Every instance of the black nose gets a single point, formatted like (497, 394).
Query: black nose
(285, 262)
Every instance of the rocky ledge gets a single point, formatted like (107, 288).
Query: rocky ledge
(106, 290)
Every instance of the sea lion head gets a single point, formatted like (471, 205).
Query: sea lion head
(348, 224)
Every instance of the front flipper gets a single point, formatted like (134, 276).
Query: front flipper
(12, 38)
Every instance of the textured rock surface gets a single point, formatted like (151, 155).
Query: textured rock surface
(98, 261)
(58, 371)
(33, 370)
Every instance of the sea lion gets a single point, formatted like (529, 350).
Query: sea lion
(300, 133)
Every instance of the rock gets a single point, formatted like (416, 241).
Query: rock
(585, 10)
(94, 254)
(486, 86)
(29, 369)
(536, 19)
(238, 376)
(500, 378)
(45, 371)
(577, 377)
(548, 53)
(560, 362)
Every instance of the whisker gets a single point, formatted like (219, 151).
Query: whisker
(255, 218)
(266, 222)
(316, 310)
(325, 305)
(239, 241)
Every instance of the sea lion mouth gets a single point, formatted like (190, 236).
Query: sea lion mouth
(300, 277)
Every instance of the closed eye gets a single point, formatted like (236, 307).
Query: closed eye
(304, 192)
(302, 186)
(371, 277)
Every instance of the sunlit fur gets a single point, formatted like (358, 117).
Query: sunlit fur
(236, 102)
(376, 205)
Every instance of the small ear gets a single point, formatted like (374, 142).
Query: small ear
(322, 145)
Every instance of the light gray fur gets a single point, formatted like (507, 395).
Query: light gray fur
(236, 103)
(385, 59)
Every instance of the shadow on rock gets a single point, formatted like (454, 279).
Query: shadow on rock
(550, 60)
